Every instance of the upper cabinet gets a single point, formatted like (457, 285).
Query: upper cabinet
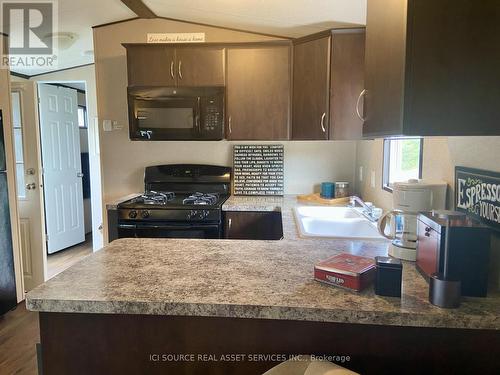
(327, 80)
(150, 65)
(200, 66)
(431, 68)
(186, 66)
(311, 76)
(258, 92)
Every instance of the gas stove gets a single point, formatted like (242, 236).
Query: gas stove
(179, 201)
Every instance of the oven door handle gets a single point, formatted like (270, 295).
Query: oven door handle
(170, 227)
(127, 226)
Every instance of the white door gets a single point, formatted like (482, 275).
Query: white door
(62, 170)
(28, 167)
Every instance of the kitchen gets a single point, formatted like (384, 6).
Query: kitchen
(306, 104)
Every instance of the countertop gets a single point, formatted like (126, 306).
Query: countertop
(245, 279)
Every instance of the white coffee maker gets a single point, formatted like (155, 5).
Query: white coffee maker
(410, 198)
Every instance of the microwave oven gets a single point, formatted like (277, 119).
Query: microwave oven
(176, 113)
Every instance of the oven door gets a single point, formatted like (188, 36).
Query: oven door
(164, 118)
(160, 230)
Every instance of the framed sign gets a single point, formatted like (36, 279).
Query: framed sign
(175, 37)
(258, 169)
(477, 193)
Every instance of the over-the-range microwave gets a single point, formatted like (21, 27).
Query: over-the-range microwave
(176, 113)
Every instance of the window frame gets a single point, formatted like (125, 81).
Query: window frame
(386, 160)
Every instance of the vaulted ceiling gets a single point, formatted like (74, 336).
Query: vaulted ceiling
(292, 18)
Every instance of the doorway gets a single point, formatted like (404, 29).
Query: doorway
(54, 176)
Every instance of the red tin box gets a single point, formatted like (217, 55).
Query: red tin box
(346, 271)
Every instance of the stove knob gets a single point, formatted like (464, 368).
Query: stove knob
(145, 214)
(132, 214)
(192, 214)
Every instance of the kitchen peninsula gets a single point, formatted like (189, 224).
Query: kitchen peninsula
(140, 301)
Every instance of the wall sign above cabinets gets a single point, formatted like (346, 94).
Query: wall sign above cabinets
(258, 169)
(176, 37)
(478, 195)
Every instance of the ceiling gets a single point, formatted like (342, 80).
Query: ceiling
(292, 18)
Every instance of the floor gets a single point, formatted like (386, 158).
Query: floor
(19, 334)
(63, 259)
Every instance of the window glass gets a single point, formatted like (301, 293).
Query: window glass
(18, 143)
(402, 160)
(82, 117)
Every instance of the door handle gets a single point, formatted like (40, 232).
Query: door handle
(79, 175)
(180, 69)
(172, 69)
(358, 112)
(31, 186)
(323, 122)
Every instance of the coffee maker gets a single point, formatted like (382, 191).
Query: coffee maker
(410, 198)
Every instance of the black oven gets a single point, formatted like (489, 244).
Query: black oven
(176, 113)
(168, 230)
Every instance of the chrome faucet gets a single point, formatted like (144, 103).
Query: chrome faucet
(368, 208)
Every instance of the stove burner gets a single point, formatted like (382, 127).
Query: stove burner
(157, 197)
(201, 199)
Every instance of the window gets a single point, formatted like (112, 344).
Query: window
(82, 116)
(18, 143)
(402, 160)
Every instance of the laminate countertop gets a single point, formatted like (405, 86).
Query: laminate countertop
(245, 279)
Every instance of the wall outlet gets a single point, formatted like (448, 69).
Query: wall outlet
(372, 180)
(361, 173)
(107, 125)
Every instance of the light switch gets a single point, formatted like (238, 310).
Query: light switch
(372, 180)
(117, 126)
(107, 125)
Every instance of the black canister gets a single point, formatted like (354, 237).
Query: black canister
(388, 277)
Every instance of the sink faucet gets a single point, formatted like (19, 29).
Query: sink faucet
(369, 210)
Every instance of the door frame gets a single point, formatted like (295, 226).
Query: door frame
(93, 134)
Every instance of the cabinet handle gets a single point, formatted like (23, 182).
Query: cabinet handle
(229, 223)
(323, 122)
(230, 120)
(363, 93)
(172, 69)
(180, 69)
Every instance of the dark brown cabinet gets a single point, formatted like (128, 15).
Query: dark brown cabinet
(160, 65)
(200, 66)
(311, 75)
(431, 68)
(258, 92)
(249, 225)
(327, 80)
(151, 65)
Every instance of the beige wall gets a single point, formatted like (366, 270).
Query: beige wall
(307, 163)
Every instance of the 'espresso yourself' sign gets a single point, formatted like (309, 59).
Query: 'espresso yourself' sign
(478, 194)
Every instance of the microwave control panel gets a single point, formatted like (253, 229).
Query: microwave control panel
(213, 115)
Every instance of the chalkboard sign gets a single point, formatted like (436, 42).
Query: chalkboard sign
(258, 169)
(477, 193)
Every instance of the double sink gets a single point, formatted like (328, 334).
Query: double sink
(335, 222)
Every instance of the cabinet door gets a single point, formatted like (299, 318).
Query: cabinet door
(200, 66)
(384, 67)
(247, 225)
(311, 85)
(346, 84)
(258, 93)
(151, 66)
